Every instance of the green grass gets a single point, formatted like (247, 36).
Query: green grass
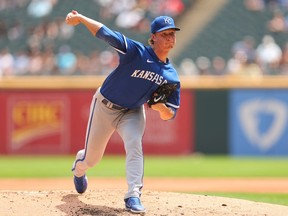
(217, 167)
(280, 199)
(185, 166)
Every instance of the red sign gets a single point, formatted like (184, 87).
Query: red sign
(37, 123)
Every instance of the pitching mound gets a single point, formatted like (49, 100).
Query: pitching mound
(106, 202)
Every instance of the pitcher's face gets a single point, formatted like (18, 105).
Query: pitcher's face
(165, 39)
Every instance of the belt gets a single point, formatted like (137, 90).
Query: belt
(110, 105)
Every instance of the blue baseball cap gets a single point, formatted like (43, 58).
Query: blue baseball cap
(162, 23)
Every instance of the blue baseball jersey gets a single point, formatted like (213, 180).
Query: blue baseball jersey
(139, 73)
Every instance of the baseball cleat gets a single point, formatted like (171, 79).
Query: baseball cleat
(81, 183)
(134, 205)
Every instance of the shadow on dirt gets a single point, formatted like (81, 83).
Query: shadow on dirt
(72, 206)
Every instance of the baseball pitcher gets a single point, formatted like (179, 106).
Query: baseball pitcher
(144, 75)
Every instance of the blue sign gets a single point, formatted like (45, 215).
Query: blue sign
(258, 122)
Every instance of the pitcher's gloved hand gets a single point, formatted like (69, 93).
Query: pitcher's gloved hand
(162, 94)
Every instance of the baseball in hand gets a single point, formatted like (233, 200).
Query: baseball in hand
(72, 18)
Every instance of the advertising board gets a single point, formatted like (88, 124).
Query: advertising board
(258, 122)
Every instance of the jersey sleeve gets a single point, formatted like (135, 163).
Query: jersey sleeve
(127, 49)
(174, 102)
(113, 38)
(174, 99)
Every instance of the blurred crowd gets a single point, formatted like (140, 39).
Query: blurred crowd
(65, 62)
(267, 58)
(278, 9)
(136, 15)
(247, 57)
(42, 54)
(48, 52)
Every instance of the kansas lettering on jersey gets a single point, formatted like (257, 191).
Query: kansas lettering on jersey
(138, 74)
(148, 75)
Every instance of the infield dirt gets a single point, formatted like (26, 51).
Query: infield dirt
(161, 197)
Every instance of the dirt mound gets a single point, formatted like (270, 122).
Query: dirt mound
(104, 197)
(105, 202)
